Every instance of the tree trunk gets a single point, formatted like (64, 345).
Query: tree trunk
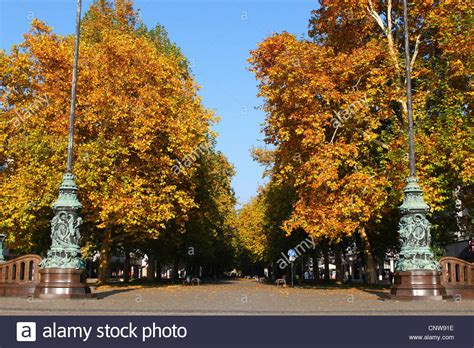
(381, 271)
(126, 268)
(158, 271)
(315, 265)
(150, 273)
(338, 261)
(326, 260)
(175, 275)
(104, 261)
(371, 276)
(302, 267)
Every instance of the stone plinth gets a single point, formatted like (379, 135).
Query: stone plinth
(62, 283)
(418, 285)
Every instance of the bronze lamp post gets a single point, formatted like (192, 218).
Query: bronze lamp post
(62, 271)
(417, 274)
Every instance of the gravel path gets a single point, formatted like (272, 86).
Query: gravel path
(233, 297)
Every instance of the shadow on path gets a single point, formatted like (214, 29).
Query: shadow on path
(101, 295)
(118, 288)
(382, 295)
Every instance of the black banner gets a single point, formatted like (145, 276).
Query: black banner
(227, 331)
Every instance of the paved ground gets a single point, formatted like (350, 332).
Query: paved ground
(233, 297)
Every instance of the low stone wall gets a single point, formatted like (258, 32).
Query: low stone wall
(19, 277)
(457, 276)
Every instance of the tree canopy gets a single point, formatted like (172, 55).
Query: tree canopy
(336, 112)
(138, 114)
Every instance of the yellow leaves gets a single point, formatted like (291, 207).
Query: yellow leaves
(346, 177)
(330, 201)
(299, 131)
(251, 232)
(136, 114)
(39, 27)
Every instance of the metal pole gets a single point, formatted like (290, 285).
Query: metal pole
(292, 273)
(73, 89)
(411, 137)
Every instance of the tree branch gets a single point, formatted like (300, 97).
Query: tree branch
(376, 16)
(386, 30)
(415, 53)
(389, 17)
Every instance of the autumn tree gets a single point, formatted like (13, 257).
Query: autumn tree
(252, 236)
(261, 237)
(206, 242)
(336, 112)
(209, 235)
(137, 112)
(331, 177)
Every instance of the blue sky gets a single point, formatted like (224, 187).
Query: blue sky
(216, 36)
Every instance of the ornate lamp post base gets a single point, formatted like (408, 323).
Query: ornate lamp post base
(62, 283)
(418, 285)
(62, 271)
(418, 275)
